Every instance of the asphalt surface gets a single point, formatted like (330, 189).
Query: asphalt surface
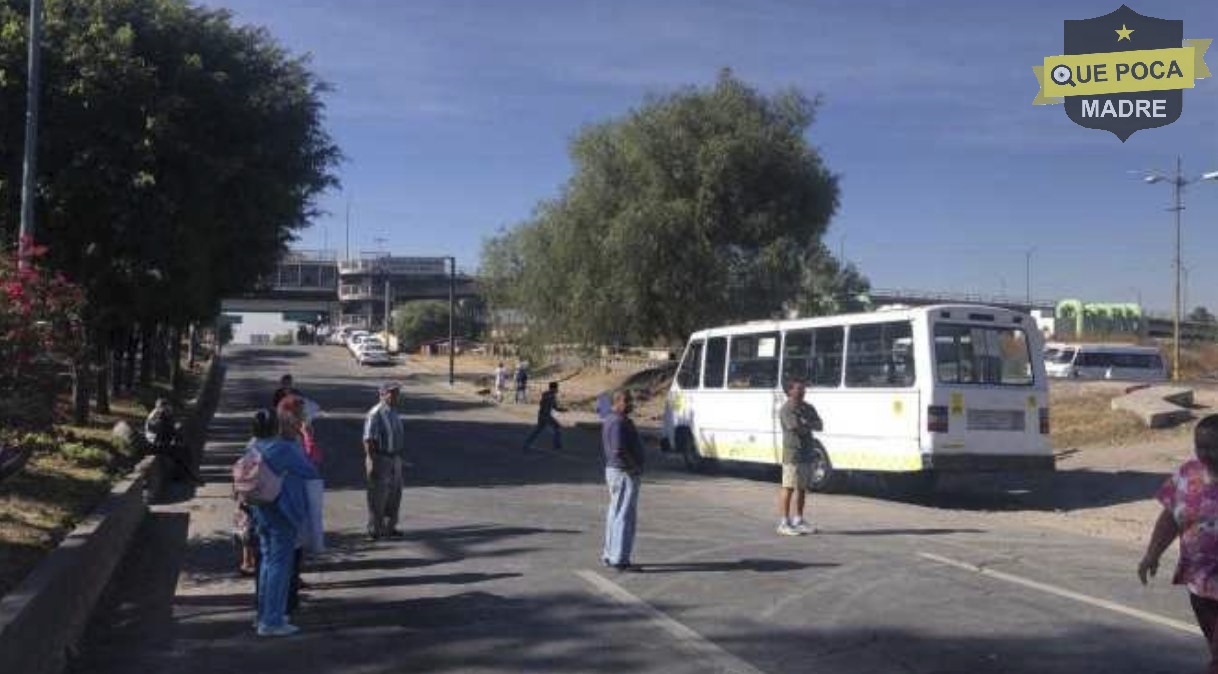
(499, 571)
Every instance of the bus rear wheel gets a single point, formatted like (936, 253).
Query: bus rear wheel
(824, 478)
(688, 449)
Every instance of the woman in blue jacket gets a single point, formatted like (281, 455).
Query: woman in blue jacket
(279, 523)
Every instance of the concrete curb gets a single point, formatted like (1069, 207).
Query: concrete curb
(42, 619)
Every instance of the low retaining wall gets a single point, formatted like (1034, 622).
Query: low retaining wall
(41, 619)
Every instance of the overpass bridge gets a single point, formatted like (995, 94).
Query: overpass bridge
(310, 286)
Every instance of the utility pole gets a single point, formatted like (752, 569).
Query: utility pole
(1027, 277)
(30, 175)
(388, 309)
(348, 227)
(452, 342)
(1178, 183)
(1178, 206)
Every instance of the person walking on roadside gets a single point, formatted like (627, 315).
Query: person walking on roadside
(279, 523)
(285, 389)
(521, 379)
(623, 474)
(500, 382)
(1190, 513)
(798, 419)
(545, 418)
(384, 447)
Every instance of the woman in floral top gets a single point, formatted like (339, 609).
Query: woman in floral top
(1190, 512)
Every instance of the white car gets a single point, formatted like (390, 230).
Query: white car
(354, 340)
(373, 355)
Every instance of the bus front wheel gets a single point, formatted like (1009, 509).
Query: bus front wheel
(824, 477)
(688, 449)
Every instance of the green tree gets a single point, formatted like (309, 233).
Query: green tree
(703, 206)
(178, 155)
(424, 320)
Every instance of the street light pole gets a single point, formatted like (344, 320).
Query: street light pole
(452, 291)
(1178, 182)
(1177, 206)
(30, 169)
(1027, 277)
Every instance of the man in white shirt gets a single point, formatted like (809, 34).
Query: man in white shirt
(384, 448)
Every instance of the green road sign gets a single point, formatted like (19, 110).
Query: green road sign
(302, 316)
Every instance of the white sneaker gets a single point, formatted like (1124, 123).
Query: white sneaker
(284, 630)
(785, 529)
(803, 527)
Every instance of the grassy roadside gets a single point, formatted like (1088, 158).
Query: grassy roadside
(70, 472)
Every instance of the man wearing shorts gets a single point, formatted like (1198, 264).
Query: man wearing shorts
(798, 420)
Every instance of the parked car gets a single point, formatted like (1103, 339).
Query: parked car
(355, 339)
(373, 355)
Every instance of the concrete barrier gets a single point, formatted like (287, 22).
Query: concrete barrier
(1157, 406)
(42, 618)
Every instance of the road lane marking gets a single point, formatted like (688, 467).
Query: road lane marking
(1154, 618)
(724, 661)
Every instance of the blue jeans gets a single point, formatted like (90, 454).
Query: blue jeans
(621, 517)
(277, 545)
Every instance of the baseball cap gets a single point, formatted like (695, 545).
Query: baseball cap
(388, 386)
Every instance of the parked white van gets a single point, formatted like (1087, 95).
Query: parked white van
(1121, 362)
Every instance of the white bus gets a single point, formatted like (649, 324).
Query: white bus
(912, 390)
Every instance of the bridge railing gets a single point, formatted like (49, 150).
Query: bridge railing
(906, 295)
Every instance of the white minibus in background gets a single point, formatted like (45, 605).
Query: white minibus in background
(911, 390)
(1121, 362)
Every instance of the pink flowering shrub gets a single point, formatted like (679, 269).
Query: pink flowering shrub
(40, 332)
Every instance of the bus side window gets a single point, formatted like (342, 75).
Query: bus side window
(690, 372)
(716, 363)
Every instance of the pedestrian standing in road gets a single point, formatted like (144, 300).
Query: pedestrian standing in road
(500, 382)
(384, 447)
(521, 378)
(279, 524)
(1190, 513)
(545, 418)
(286, 388)
(623, 474)
(798, 420)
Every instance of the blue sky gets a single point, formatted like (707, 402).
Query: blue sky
(455, 117)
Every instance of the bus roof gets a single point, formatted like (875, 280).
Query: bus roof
(954, 312)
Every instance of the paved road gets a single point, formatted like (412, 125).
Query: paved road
(498, 571)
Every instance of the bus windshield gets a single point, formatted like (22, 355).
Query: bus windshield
(981, 354)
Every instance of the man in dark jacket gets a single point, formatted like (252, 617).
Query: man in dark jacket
(623, 475)
(545, 418)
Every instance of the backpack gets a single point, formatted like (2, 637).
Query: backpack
(253, 480)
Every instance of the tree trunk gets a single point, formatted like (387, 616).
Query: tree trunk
(192, 347)
(104, 362)
(146, 357)
(175, 357)
(118, 350)
(80, 390)
(130, 353)
(162, 353)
